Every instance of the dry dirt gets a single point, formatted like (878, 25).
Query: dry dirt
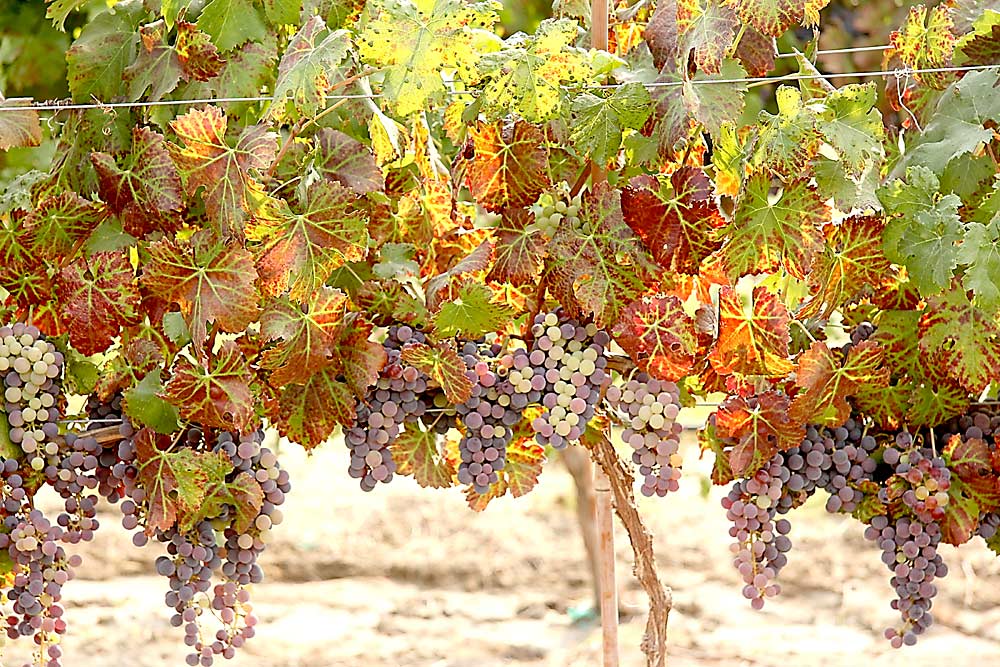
(410, 577)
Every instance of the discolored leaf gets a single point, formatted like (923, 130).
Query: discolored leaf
(790, 139)
(523, 465)
(599, 121)
(308, 414)
(825, 382)
(308, 69)
(242, 496)
(774, 17)
(198, 57)
(659, 336)
(709, 440)
(508, 166)
(443, 365)
(98, 295)
(359, 358)
(708, 28)
(59, 222)
(961, 339)
(982, 45)
(98, 57)
(518, 249)
(306, 336)
(853, 127)
(417, 453)
(18, 129)
(215, 394)
(761, 426)
(925, 41)
(753, 338)
(341, 158)
(472, 313)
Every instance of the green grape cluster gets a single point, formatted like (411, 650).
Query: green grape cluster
(554, 208)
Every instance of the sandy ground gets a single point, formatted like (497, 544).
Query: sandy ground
(410, 577)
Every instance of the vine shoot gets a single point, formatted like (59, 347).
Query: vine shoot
(455, 247)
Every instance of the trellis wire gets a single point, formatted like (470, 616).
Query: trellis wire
(22, 104)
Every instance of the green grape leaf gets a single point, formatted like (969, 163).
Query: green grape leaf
(825, 382)
(716, 99)
(215, 394)
(853, 126)
(156, 69)
(523, 465)
(472, 313)
(243, 495)
(306, 336)
(339, 157)
(308, 414)
(417, 454)
(59, 11)
(18, 129)
(98, 295)
(174, 480)
(508, 164)
(308, 69)
(412, 42)
(753, 338)
(709, 441)
(526, 77)
(790, 139)
(774, 17)
(210, 281)
(599, 121)
(925, 233)
(674, 218)
(226, 172)
(145, 192)
(97, 60)
(924, 41)
(282, 12)
(982, 45)
(298, 248)
(659, 336)
(728, 157)
(962, 340)
(767, 234)
(980, 252)
(143, 405)
(932, 403)
(232, 22)
(443, 365)
(761, 426)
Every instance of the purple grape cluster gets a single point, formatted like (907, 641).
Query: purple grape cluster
(570, 356)
(648, 410)
(925, 477)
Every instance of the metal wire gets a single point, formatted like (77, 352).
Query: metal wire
(830, 52)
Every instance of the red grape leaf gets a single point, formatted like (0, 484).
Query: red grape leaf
(851, 262)
(508, 165)
(307, 334)
(924, 41)
(761, 426)
(216, 394)
(226, 172)
(344, 159)
(981, 46)
(198, 57)
(659, 336)
(974, 489)
(308, 414)
(518, 250)
(438, 287)
(443, 365)
(360, 359)
(297, 249)
(675, 221)
(243, 494)
(961, 340)
(766, 235)
(756, 52)
(145, 193)
(825, 382)
(523, 465)
(708, 28)
(18, 129)
(174, 481)
(417, 453)
(60, 222)
(774, 17)
(662, 34)
(99, 296)
(752, 340)
(210, 281)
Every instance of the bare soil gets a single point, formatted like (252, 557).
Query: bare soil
(408, 577)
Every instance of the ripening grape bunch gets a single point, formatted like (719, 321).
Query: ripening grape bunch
(554, 209)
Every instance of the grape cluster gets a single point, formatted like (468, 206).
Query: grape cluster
(648, 409)
(925, 475)
(909, 550)
(570, 357)
(552, 209)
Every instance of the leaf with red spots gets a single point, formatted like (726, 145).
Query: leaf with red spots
(98, 296)
(774, 17)
(925, 41)
(508, 165)
(961, 340)
(825, 382)
(761, 427)
(659, 336)
(145, 191)
(216, 393)
(753, 338)
(210, 281)
(227, 173)
(308, 414)
(306, 335)
(443, 365)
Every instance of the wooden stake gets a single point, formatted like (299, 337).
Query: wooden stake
(606, 578)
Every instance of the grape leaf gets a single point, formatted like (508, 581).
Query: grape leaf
(174, 481)
(774, 17)
(308, 336)
(246, 71)
(526, 77)
(853, 126)
(232, 22)
(753, 339)
(243, 495)
(474, 262)
(59, 222)
(443, 365)
(508, 164)
(599, 121)
(298, 248)
(974, 487)
(285, 12)
(59, 11)
(962, 340)
(982, 45)
(359, 358)
(226, 172)
(925, 41)
(416, 453)
(198, 57)
(980, 251)
(728, 157)
(342, 158)
(519, 249)
(144, 406)
(215, 394)
(211, 282)
(761, 426)
(709, 440)
(98, 296)
(851, 262)
(145, 192)
(659, 336)
(413, 42)
(768, 233)
(97, 59)
(18, 129)
(156, 69)
(675, 221)
(308, 414)
(756, 52)
(523, 465)
(790, 139)
(307, 69)
(707, 28)
(662, 34)
(472, 313)
(716, 99)
(825, 383)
